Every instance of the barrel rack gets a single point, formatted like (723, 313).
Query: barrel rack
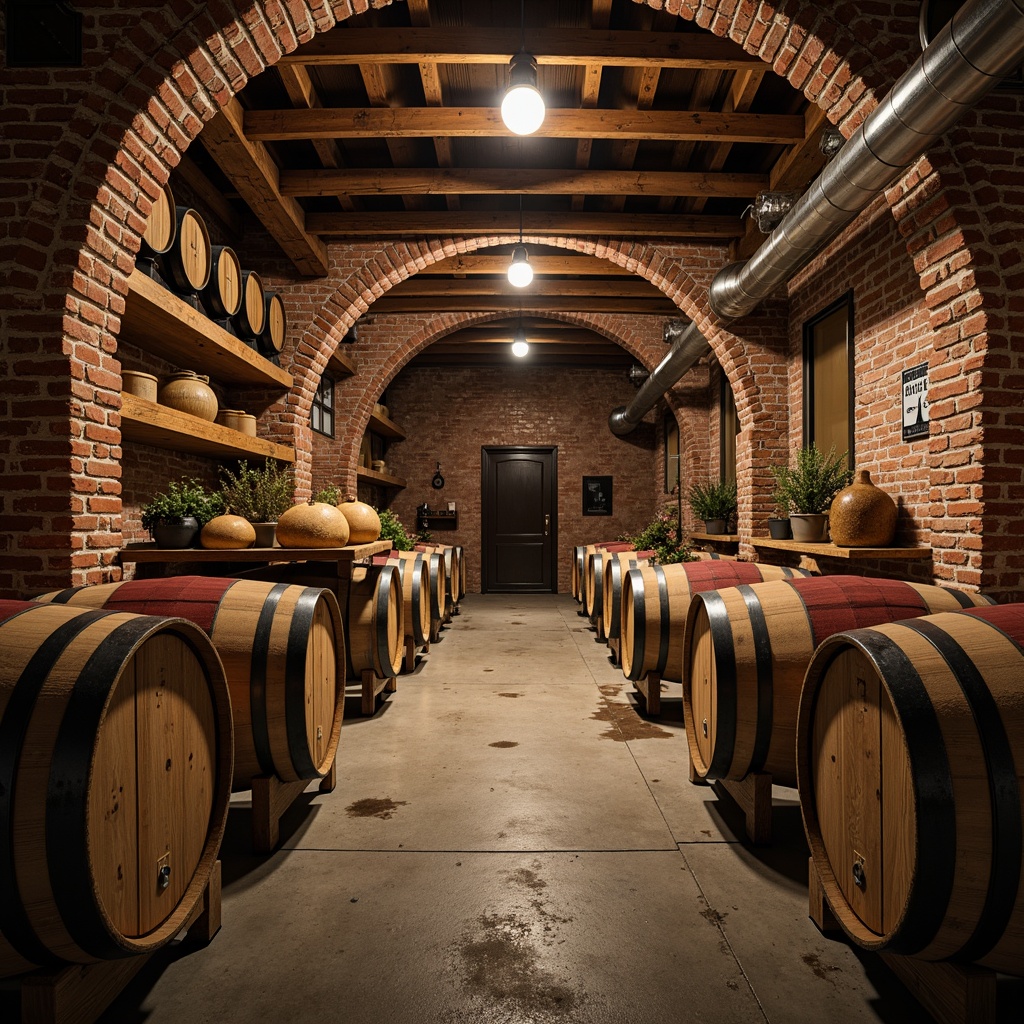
(79, 993)
(951, 993)
(753, 796)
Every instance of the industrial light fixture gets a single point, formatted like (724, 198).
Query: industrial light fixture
(522, 109)
(520, 346)
(520, 273)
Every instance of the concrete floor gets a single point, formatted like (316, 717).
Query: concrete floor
(511, 842)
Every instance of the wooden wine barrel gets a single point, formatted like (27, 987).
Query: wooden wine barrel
(910, 749)
(461, 552)
(609, 625)
(712, 556)
(251, 317)
(579, 557)
(161, 226)
(115, 764)
(187, 263)
(374, 623)
(452, 573)
(746, 649)
(414, 573)
(283, 648)
(275, 325)
(655, 601)
(438, 592)
(593, 576)
(222, 295)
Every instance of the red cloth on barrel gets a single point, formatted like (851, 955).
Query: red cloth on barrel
(715, 575)
(195, 598)
(11, 608)
(1007, 617)
(837, 603)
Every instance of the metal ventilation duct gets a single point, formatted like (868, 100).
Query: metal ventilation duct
(982, 44)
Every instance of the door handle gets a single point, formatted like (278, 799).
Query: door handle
(547, 525)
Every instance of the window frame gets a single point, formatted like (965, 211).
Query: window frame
(844, 301)
(325, 409)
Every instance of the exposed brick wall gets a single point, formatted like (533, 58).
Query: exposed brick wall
(84, 151)
(449, 414)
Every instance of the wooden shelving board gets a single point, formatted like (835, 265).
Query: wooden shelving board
(383, 479)
(159, 322)
(829, 550)
(349, 553)
(342, 363)
(725, 538)
(156, 425)
(385, 426)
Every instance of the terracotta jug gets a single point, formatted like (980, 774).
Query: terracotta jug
(862, 515)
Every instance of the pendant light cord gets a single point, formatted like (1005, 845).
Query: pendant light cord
(522, 25)
(520, 218)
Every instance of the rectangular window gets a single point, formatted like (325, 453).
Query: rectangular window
(321, 415)
(671, 453)
(828, 378)
(729, 428)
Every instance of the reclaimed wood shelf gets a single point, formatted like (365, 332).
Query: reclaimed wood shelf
(829, 550)
(157, 425)
(159, 322)
(724, 538)
(383, 479)
(385, 426)
(342, 363)
(440, 519)
(350, 553)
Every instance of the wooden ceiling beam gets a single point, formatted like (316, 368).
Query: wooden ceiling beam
(542, 287)
(600, 17)
(462, 222)
(215, 201)
(494, 333)
(694, 50)
(515, 181)
(462, 122)
(464, 263)
(252, 171)
(500, 304)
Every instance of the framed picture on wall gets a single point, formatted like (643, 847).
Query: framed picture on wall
(597, 495)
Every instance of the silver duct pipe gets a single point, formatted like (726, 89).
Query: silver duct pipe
(982, 44)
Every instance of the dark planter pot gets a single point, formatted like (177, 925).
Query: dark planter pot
(810, 529)
(177, 535)
(265, 534)
(714, 525)
(779, 529)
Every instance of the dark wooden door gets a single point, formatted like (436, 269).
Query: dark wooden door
(520, 504)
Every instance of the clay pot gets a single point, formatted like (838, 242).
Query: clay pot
(265, 534)
(189, 393)
(313, 525)
(141, 385)
(809, 527)
(779, 529)
(363, 522)
(226, 532)
(230, 418)
(863, 515)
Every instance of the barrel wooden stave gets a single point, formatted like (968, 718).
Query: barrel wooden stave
(374, 627)
(910, 748)
(611, 600)
(188, 261)
(161, 226)
(742, 687)
(104, 713)
(275, 325)
(251, 317)
(283, 649)
(414, 574)
(222, 295)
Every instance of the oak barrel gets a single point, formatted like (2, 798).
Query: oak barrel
(222, 295)
(746, 649)
(438, 591)
(655, 601)
(251, 317)
(910, 749)
(161, 226)
(593, 575)
(188, 261)
(283, 648)
(414, 574)
(452, 573)
(115, 764)
(374, 623)
(609, 625)
(275, 325)
(579, 558)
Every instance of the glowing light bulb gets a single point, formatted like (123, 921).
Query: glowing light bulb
(520, 273)
(522, 109)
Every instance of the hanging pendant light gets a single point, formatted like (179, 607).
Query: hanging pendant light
(520, 346)
(522, 109)
(520, 273)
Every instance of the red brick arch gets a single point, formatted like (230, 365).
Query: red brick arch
(73, 221)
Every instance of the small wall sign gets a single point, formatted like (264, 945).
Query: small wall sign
(915, 402)
(597, 495)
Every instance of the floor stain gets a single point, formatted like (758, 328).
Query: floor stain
(488, 669)
(516, 622)
(712, 915)
(528, 877)
(374, 808)
(504, 744)
(609, 691)
(511, 694)
(626, 724)
(500, 965)
(820, 969)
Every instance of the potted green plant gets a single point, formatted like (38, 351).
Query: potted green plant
(778, 525)
(391, 529)
(662, 536)
(175, 516)
(808, 488)
(715, 503)
(260, 494)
